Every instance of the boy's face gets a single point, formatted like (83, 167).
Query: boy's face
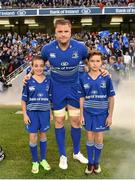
(95, 62)
(63, 33)
(38, 67)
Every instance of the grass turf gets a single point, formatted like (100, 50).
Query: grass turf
(17, 164)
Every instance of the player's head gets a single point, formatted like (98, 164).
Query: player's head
(62, 30)
(38, 65)
(95, 60)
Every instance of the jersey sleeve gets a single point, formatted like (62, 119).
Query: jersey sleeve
(25, 93)
(81, 90)
(110, 88)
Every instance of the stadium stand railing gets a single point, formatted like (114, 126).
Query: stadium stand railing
(16, 72)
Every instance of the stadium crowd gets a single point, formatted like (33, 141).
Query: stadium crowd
(63, 3)
(16, 49)
(118, 50)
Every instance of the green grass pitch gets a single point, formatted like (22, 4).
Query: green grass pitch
(17, 164)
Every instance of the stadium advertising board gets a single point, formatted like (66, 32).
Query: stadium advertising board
(66, 11)
(119, 10)
(18, 12)
(70, 11)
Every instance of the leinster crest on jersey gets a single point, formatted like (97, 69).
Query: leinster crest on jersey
(103, 84)
(75, 55)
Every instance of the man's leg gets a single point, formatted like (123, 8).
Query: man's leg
(60, 136)
(74, 114)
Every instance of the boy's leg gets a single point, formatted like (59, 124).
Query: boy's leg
(44, 125)
(44, 118)
(33, 146)
(34, 153)
(32, 128)
(98, 149)
(90, 152)
(43, 144)
(90, 147)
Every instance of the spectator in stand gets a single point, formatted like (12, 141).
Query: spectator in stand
(127, 60)
(115, 68)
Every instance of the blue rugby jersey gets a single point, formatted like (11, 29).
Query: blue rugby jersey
(64, 64)
(37, 95)
(96, 93)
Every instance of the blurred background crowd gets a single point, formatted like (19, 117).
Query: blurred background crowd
(118, 49)
(63, 3)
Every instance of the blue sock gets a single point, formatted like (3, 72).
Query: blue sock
(90, 151)
(98, 148)
(60, 138)
(34, 153)
(43, 144)
(76, 137)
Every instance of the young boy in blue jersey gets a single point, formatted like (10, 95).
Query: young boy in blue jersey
(36, 112)
(96, 107)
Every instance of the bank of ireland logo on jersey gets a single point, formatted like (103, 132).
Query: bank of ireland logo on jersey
(103, 84)
(94, 92)
(31, 88)
(52, 55)
(40, 94)
(64, 63)
(75, 55)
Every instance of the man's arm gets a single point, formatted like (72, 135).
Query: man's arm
(104, 72)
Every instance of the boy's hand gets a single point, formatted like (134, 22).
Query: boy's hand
(82, 120)
(26, 119)
(108, 121)
(26, 77)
